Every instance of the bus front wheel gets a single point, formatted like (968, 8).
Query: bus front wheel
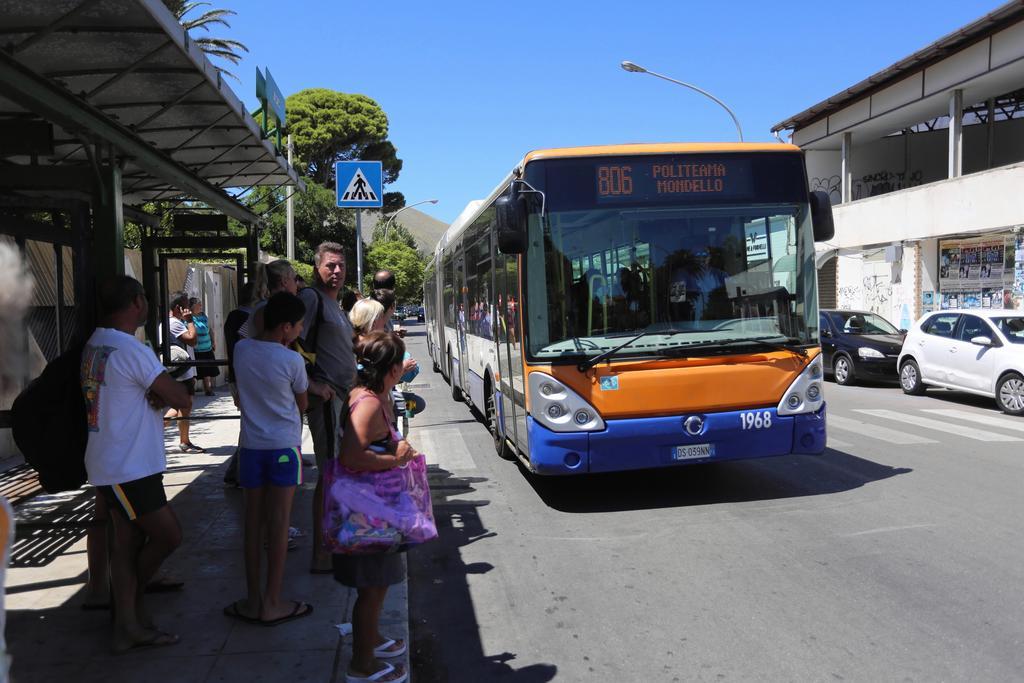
(456, 392)
(500, 446)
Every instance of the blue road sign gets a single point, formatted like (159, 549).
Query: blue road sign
(359, 184)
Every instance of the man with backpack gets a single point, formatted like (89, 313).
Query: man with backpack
(125, 389)
(327, 333)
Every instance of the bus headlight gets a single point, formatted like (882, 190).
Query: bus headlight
(559, 408)
(804, 394)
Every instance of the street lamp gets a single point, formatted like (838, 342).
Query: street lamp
(384, 236)
(637, 69)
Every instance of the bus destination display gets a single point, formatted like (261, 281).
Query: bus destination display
(676, 179)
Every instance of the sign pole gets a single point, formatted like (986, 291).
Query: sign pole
(359, 250)
(289, 239)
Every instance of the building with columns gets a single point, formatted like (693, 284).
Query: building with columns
(924, 162)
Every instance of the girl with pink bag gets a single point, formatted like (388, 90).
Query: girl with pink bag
(374, 504)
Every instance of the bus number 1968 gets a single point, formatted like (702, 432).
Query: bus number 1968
(756, 420)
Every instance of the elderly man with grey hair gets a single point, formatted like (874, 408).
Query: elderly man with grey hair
(326, 332)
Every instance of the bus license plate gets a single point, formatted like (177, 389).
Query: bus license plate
(695, 451)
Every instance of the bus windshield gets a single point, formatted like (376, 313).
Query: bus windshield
(701, 261)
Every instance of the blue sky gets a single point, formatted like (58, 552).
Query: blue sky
(470, 87)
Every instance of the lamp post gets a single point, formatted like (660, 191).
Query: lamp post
(391, 219)
(637, 69)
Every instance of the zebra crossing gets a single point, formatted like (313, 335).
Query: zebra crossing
(921, 426)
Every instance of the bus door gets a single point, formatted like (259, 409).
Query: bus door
(461, 317)
(505, 283)
(515, 352)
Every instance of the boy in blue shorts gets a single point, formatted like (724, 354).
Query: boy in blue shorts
(272, 383)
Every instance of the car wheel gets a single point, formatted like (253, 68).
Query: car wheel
(910, 378)
(1010, 394)
(842, 371)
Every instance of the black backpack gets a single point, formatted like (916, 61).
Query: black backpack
(50, 425)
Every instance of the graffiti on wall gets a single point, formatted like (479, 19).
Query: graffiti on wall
(832, 186)
(873, 294)
(883, 182)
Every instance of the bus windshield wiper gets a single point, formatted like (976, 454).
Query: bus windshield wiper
(591, 362)
(759, 341)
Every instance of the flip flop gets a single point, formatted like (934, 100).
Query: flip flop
(159, 639)
(378, 675)
(232, 611)
(302, 609)
(164, 586)
(382, 651)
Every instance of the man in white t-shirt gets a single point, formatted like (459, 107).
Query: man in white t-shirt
(125, 389)
(183, 334)
(272, 386)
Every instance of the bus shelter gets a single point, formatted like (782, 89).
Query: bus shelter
(107, 107)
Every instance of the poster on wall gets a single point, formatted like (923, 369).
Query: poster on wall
(1018, 273)
(976, 273)
(927, 301)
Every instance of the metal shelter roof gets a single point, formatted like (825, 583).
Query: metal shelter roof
(940, 49)
(124, 76)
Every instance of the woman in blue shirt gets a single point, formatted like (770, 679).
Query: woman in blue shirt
(204, 345)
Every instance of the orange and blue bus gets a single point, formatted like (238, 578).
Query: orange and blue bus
(637, 306)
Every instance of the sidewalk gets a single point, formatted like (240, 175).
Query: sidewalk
(51, 639)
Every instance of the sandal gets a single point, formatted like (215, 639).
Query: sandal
(381, 676)
(189, 447)
(302, 609)
(387, 649)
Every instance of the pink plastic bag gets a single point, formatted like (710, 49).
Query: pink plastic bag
(377, 512)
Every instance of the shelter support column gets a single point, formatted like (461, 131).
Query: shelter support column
(108, 222)
(956, 133)
(847, 169)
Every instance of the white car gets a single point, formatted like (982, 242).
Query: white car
(980, 351)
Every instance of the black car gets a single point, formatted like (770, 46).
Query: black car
(860, 345)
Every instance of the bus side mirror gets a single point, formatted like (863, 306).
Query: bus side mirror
(511, 228)
(821, 217)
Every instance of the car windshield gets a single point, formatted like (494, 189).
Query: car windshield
(855, 322)
(1012, 328)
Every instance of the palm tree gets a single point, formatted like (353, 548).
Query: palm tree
(223, 48)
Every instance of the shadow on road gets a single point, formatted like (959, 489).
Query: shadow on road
(964, 399)
(713, 483)
(445, 633)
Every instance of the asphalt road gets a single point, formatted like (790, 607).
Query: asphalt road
(896, 555)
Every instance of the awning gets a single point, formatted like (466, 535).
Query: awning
(124, 75)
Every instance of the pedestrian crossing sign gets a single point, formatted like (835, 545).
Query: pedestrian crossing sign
(359, 184)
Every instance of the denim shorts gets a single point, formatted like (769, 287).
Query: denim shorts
(269, 467)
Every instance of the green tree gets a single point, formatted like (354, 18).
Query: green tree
(223, 48)
(396, 232)
(403, 261)
(329, 126)
(317, 219)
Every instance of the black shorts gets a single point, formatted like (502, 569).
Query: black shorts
(190, 385)
(136, 498)
(203, 371)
